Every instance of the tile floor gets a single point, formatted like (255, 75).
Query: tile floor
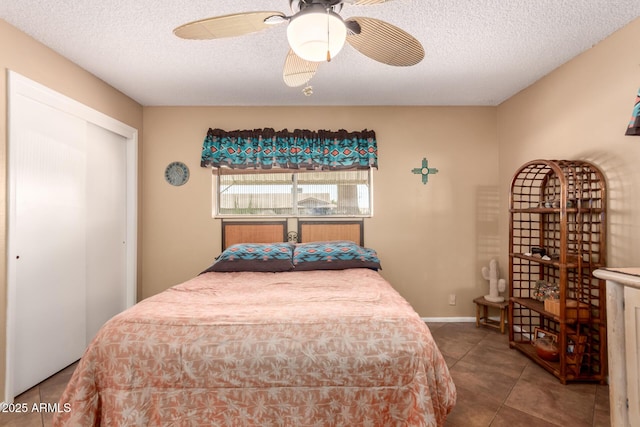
(496, 386)
(48, 391)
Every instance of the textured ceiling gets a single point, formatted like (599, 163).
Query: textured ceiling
(478, 52)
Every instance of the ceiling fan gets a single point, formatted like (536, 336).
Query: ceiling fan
(316, 33)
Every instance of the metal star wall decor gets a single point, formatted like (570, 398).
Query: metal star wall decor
(425, 171)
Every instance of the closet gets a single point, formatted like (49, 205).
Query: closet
(71, 229)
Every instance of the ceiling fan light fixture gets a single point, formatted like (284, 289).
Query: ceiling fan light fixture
(315, 31)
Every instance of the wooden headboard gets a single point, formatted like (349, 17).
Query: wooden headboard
(253, 232)
(276, 231)
(314, 231)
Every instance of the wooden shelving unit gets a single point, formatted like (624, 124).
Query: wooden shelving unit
(559, 206)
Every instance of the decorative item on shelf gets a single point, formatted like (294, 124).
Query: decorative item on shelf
(575, 352)
(496, 285)
(539, 332)
(543, 291)
(552, 305)
(555, 203)
(633, 128)
(176, 173)
(537, 252)
(425, 170)
(292, 236)
(547, 348)
(574, 310)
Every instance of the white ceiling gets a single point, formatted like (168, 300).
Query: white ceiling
(478, 52)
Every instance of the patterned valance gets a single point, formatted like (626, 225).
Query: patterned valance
(300, 149)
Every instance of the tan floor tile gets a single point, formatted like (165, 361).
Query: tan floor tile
(509, 417)
(450, 361)
(497, 337)
(25, 417)
(435, 325)
(52, 388)
(487, 353)
(462, 332)
(602, 397)
(540, 394)
(450, 347)
(471, 410)
(29, 419)
(486, 382)
(457, 339)
(30, 396)
(602, 410)
(601, 419)
(22, 418)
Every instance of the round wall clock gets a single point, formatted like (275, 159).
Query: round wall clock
(176, 173)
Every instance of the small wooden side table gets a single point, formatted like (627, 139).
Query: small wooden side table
(484, 319)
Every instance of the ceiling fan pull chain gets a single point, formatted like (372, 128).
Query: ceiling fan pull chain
(328, 41)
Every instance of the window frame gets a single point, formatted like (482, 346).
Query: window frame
(216, 196)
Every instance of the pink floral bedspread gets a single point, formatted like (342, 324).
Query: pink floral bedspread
(308, 348)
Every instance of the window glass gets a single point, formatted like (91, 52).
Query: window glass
(326, 193)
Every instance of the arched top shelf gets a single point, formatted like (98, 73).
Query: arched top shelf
(561, 185)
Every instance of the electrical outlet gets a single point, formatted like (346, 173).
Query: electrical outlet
(452, 299)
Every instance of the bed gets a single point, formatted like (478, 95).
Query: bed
(270, 335)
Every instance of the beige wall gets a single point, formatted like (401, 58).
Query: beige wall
(432, 239)
(580, 111)
(22, 54)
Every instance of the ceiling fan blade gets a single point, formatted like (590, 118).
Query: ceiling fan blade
(226, 26)
(384, 42)
(298, 71)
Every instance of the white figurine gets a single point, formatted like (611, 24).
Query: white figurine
(495, 285)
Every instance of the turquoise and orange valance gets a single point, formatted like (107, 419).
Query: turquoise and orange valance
(300, 149)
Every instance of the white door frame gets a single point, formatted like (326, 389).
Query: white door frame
(18, 85)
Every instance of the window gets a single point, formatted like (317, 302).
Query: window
(297, 194)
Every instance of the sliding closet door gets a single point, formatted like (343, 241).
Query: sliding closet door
(49, 240)
(106, 226)
(71, 262)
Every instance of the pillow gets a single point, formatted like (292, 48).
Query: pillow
(336, 255)
(267, 257)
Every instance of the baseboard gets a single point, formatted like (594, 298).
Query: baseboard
(456, 319)
(449, 319)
